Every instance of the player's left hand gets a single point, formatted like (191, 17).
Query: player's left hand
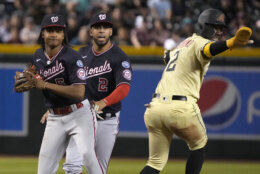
(44, 117)
(241, 38)
(98, 106)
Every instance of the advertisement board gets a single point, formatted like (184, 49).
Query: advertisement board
(13, 106)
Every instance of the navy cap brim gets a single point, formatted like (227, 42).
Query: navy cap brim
(101, 22)
(54, 25)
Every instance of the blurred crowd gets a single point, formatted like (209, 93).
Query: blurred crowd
(136, 23)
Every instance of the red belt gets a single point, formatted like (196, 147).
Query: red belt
(66, 109)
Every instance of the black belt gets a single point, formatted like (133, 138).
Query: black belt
(174, 97)
(106, 115)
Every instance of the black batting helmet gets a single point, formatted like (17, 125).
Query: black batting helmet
(207, 22)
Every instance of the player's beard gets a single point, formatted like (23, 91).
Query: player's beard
(216, 37)
(101, 43)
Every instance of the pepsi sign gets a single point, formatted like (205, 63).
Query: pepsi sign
(220, 102)
(230, 102)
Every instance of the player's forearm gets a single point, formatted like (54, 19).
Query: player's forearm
(117, 95)
(214, 48)
(69, 91)
(218, 47)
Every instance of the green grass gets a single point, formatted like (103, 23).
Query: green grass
(28, 165)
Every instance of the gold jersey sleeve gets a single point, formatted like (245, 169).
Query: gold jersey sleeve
(184, 73)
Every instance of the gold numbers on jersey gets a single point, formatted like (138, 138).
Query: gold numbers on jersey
(171, 65)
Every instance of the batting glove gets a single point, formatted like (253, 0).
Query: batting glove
(241, 38)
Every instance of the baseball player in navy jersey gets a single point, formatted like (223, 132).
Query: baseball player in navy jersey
(173, 109)
(63, 85)
(109, 76)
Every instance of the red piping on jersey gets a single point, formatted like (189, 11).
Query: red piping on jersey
(51, 58)
(117, 95)
(98, 54)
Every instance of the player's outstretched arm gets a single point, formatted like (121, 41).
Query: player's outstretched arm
(241, 38)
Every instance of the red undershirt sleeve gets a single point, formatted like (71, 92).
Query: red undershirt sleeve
(117, 95)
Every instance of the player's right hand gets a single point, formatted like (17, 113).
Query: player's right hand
(44, 117)
(166, 56)
(241, 38)
(147, 105)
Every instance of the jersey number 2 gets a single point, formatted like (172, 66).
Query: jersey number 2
(171, 64)
(102, 86)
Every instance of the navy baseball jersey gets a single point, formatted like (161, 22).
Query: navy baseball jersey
(66, 68)
(105, 72)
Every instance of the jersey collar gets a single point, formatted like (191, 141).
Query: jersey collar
(98, 54)
(50, 59)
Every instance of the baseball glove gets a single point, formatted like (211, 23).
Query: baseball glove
(26, 80)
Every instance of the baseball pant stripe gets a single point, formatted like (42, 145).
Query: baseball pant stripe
(94, 123)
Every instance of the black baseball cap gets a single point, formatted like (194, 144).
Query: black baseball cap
(101, 17)
(53, 20)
